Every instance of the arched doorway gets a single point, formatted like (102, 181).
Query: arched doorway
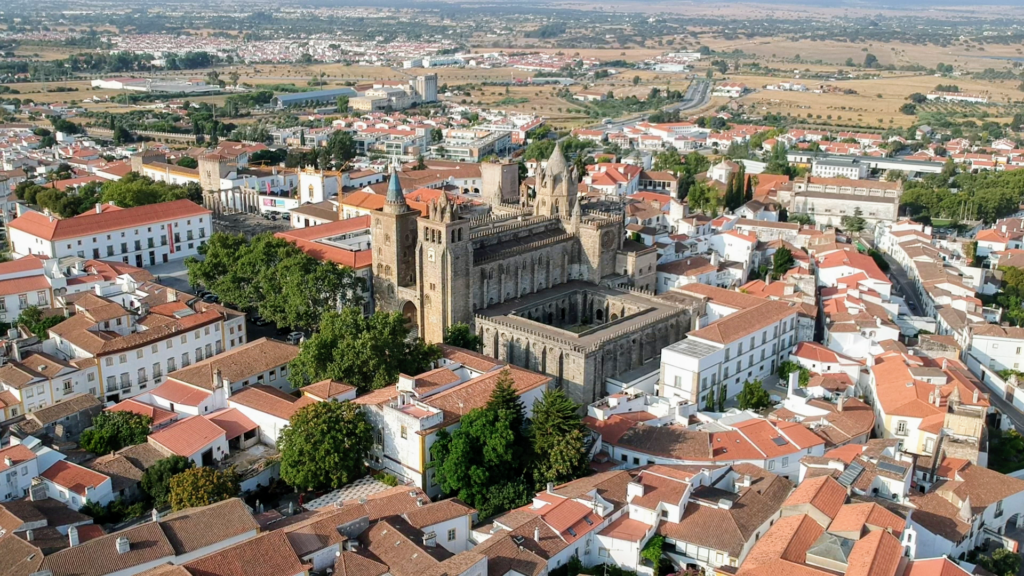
(411, 316)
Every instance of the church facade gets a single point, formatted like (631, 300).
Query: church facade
(439, 269)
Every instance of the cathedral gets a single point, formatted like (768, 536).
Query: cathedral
(572, 269)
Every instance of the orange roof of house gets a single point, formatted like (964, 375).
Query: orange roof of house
(155, 413)
(232, 422)
(823, 493)
(90, 223)
(181, 393)
(73, 477)
(187, 437)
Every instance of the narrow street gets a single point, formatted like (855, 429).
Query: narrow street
(906, 286)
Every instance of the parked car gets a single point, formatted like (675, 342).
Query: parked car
(211, 298)
(260, 321)
(295, 337)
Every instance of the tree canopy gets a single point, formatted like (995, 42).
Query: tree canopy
(462, 335)
(366, 352)
(560, 440)
(274, 277)
(484, 461)
(496, 460)
(703, 197)
(156, 479)
(324, 446)
(112, 431)
(782, 261)
(33, 319)
(202, 486)
(986, 195)
(753, 396)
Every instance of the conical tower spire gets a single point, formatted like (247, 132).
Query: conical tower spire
(556, 163)
(395, 199)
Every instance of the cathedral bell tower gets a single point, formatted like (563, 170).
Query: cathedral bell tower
(393, 240)
(445, 258)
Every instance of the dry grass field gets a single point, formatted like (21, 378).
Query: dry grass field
(876, 103)
(774, 50)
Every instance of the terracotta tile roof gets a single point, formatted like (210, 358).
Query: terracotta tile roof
(25, 284)
(745, 322)
(730, 298)
(855, 517)
(394, 502)
(469, 358)
(90, 223)
(142, 456)
(53, 512)
(188, 436)
(730, 530)
(320, 530)
(822, 493)
(353, 564)
(788, 541)
(268, 400)
(938, 516)
(268, 554)
(397, 545)
(474, 393)
(667, 441)
(180, 393)
(18, 557)
(437, 512)
(238, 364)
(934, 567)
(984, 487)
(505, 556)
(377, 397)
(877, 554)
(158, 415)
(327, 389)
(197, 528)
(18, 453)
(98, 557)
(73, 477)
(122, 472)
(232, 422)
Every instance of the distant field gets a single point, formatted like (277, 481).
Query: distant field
(865, 107)
(898, 54)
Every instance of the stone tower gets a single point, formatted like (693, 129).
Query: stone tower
(445, 255)
(556, 187)
(213, 167)
(393, 238)
(500, 182)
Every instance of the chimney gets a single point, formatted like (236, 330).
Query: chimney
(122, 545)
(8, 461)
(794, 382)
(536, 534)
(99, 207)
(29, 535)
(73, 537)
(551, 487)
(155, 515)
(840, 402)
(218, 380)
(745, 480)
(931, 397)
(938, 399)
(975, 396)
(429, 540)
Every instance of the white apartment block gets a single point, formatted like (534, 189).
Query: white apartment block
(997, 347)
(142, 236)
(851, 168)
(740, 347)
(134, 351)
